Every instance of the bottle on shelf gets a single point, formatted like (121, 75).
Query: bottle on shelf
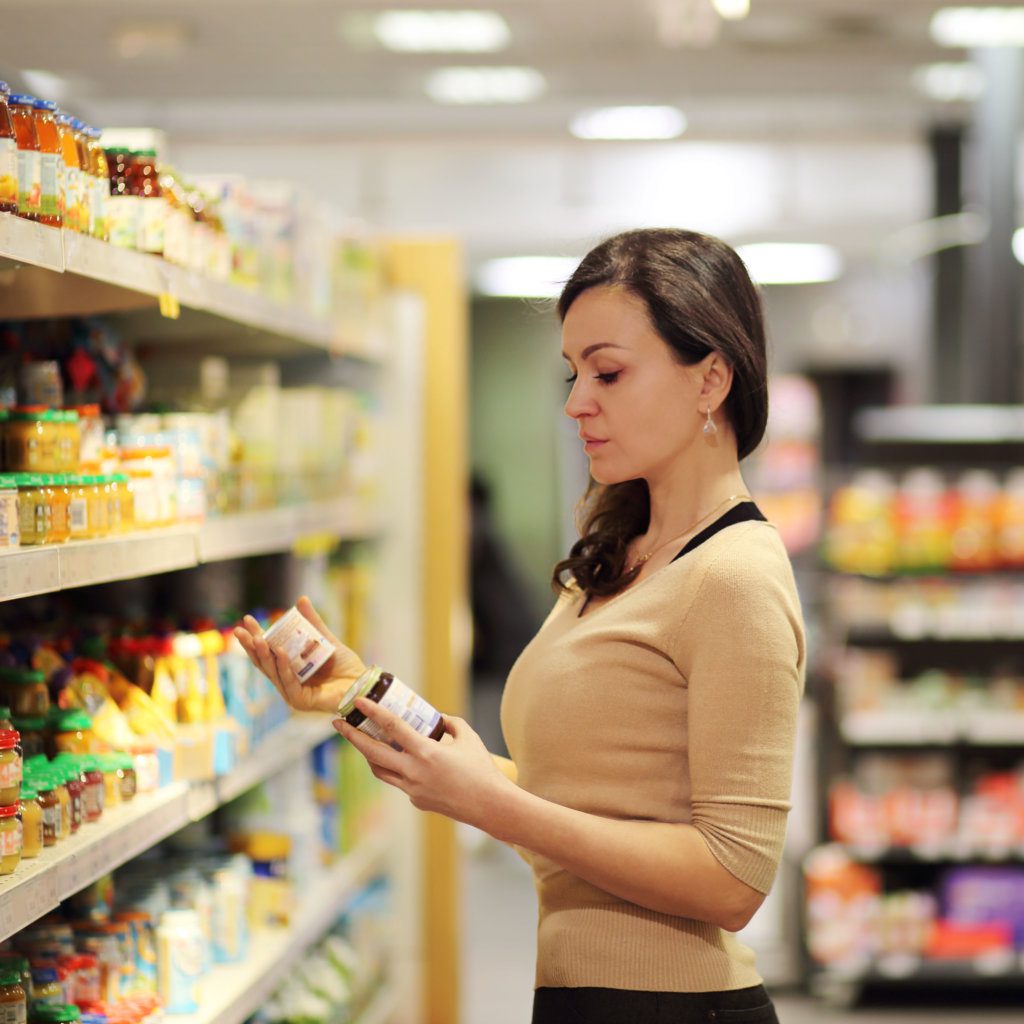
(8, 155)
(50, 162)
(30, 187)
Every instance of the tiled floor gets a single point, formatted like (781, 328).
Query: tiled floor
(499, 922)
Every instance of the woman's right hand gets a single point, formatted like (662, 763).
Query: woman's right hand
(322, 691)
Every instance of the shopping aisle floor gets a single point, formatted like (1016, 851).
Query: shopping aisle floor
(499, 927)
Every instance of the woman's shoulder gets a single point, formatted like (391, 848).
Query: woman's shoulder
(752, 546)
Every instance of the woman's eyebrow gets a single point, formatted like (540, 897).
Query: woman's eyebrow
(591, 349)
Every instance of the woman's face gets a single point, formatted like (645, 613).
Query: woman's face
(635, 405)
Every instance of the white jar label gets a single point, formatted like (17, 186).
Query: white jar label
(409, 706)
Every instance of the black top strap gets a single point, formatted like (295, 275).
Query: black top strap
(745, 512)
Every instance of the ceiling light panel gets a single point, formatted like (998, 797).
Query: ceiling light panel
(973, 27)
(629, 123)
(485, 85)
(528, 277)
(791, 262)
(959, 82)
(731, 10)
(442, 31)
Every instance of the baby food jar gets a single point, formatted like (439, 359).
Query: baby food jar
(46, 795)
(31, 440)
(391, 693)
(92, 777)
(33, 508)
(10, 521)
(72, 778)
(10, 838)
(31, 821)
(33, 735)
(27, 692)
(13, 997)
(11, 766)
(72, 732)
(306, 647)
(54, 1013)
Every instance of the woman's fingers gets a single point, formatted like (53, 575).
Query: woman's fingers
(395, 730)
(380, 755)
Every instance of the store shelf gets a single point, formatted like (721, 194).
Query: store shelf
(977, 728)
(233, 992)
(42, 570)
(942, 425)
(948, 851)
(1008, 966)
(23, 243)
(39, 885)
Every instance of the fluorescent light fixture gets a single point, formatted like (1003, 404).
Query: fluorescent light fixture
(462, 85)
(46, 84)
(528, 277)
(442, 31)
(978, 26)
(791, 262)
(151, 40)
(629, 123)
(731, 10)
(1018, 245)
(960, 82)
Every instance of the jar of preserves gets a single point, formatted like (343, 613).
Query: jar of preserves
(153, 208)
(92, 777)
(99, 512)
(72, 732)
(31, 440)
(100, 174)
(123, 203)
(50, 162)
(10, 522)
(31, 821)
(69, 440)
(58, 495)
(126, 776)
(11, 766)
(75, 788)
(10, 838)
(8, 156)
(391, 693)
(34, 512)
(13, 997)
(30, 186)
(57, 776)
(110, 768)
(26, 691)
(70, 184)
(33, 735)
(46, 796)
(79, 525)
(121, 488)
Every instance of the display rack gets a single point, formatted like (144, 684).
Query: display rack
(38, 886)
(60, 274)
(231, 993)
(921, 634)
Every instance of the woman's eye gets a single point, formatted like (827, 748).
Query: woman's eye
(572, 379)
(607, 378)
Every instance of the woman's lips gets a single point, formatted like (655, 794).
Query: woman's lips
(591, 444)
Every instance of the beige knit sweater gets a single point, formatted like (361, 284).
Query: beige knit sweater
(675, 701)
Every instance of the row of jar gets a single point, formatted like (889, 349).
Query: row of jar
(44, 728)
(37, 439)
(53, 169)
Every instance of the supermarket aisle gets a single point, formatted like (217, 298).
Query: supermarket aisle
(499, 909)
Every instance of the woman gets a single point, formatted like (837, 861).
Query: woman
(651, 721)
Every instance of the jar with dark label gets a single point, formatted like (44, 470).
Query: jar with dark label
(50, 803)
(390, 693)
(92, 776)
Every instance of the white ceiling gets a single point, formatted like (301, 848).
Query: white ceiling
(803, 119)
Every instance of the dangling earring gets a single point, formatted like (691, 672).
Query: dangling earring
(709, 427)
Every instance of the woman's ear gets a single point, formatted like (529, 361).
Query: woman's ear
(716, 379)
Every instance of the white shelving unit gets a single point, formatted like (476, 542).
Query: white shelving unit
(61, 274)
(233, 992)
(39, 885)
(28, 571)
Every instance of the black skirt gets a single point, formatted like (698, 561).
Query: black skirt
(621, 1006)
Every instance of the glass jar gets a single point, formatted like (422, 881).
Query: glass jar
(145, 496)
(391, 693)
(99, 171)
(69, 440)
(31, 821)
(147, 769)
(153, 208)
(90, 429)
(110, 768)
(10, 524)
(58, 496)
(92, 777)
(12, 766)
(64, 799)
(8, 156)
(123, 202)
(121, 486)
(50, 161)
(78, 510)
(99, 513)
(31, 440)
(73, 783)
(126, 776)
(26, 690)
(30, 186)
(10, 838)
(34, 512)
(46, 796)
(13, 997)
(46, 987)
(70, 188)
(72, 732)
(33, 735)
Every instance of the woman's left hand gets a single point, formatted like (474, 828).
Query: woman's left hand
(456, 777)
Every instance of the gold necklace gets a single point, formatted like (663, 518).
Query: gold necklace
(644, 558)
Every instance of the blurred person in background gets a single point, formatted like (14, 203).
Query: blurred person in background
(651, 721)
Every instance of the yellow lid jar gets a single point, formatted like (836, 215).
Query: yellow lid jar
(58, 497)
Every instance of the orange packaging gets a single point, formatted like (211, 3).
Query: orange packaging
(8, 156)
(50, 163)
(22, 108)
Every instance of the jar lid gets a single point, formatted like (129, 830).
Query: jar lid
(5, 89)
(360, 688)
(49, 105)
(72, 719)
(23, 99)
(5, 714)
(9, 975)
(21, 675)
(10, 811)
(54, 1013)
(9, 739)
(8, 481)
(28, 792)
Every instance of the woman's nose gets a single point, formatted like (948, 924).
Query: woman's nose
(579, 403)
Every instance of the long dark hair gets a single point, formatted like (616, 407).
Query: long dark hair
(700, 299)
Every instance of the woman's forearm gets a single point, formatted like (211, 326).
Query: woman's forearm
(663, 867)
